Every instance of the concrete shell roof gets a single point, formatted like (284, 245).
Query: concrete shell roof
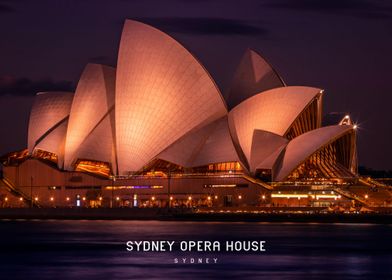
(49, 110)
(253, 75)
(265, 146)
(99, 144)
(209, 144)
(303, 146)
(95, 88)
(183, 151)
(218, 147)
(162, 92)
(273, 111)
(54, 142)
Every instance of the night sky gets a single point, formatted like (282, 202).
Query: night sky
(342, 46)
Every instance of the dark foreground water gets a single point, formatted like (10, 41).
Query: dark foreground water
(97, 250)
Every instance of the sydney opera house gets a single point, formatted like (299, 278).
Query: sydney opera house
(157, 131)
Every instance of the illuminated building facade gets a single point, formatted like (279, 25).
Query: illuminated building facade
(157, 129)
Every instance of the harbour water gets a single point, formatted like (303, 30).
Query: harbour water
(56, 249)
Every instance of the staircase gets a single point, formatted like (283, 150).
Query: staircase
(372, 183)
(351, 196)
(14, 191)
(258, 182)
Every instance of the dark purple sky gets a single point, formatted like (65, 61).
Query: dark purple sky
(343, 46)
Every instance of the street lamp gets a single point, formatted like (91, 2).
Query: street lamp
(263, 199)
(31, 192)
(168, 186)
(111, 200)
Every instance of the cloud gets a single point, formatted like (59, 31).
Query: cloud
(5, 9)
(370, 9)
(26, 87)
(8, 6)
(205, 26)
